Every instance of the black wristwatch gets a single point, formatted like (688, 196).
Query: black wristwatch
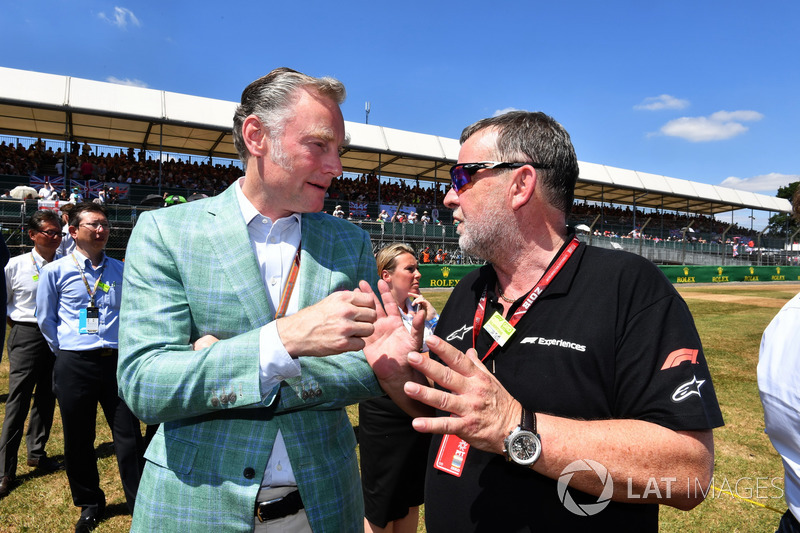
(523, 445)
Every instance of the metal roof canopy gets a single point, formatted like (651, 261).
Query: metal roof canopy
(34, 104)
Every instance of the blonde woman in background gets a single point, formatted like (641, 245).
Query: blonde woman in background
(393, 455)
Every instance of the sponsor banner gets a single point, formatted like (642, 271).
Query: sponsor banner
(725, 274)
(434, 276)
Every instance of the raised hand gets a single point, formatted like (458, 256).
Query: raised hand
(484, 413)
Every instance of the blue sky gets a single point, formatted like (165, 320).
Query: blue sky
(700, 90)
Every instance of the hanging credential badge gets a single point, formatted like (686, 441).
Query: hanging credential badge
(451, 455)
(89, 320)
(499, 328)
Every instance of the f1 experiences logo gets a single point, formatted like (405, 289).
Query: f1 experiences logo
(586, 509)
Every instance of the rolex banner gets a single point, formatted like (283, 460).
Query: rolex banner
(724, 274)
(434, 276)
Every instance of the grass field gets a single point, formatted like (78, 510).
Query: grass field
(730, 319)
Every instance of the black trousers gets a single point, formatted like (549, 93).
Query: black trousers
(81, 381)
(31, 369)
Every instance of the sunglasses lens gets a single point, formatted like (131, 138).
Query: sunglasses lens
(459, 177)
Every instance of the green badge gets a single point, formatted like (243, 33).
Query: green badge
(499, 328)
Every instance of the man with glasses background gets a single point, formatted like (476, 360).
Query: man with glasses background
(30, 358)
(78, 312)
(593, 402)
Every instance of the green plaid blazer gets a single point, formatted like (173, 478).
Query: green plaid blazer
(190, 270)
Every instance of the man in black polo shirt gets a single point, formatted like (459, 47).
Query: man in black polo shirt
(593, 402)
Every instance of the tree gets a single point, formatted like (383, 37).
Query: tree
(780, 223)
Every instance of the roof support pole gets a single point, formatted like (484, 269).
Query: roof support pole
(160, 154)
(378, 177)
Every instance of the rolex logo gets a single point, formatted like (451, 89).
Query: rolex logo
(778, 270)
(752, 271)
(719, 271)
(446, 271)
(686, 271)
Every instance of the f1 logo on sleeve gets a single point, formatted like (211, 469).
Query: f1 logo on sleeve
(679, 356)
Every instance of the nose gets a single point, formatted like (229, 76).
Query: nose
(333, 165)
(451, 198)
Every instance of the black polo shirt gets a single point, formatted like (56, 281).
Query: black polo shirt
(610, 338)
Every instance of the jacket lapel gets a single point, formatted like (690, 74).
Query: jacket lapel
(316, 257)
(234, 253)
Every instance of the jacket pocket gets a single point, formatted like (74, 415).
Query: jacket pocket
(172, 453)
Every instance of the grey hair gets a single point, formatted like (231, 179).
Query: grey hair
(270, 99)
(524, 136)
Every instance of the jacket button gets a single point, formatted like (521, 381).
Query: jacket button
(214, 401)
(318, 393)
(249, 473)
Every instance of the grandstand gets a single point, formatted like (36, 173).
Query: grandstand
(148, 143)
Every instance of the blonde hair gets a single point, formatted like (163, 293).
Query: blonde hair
(386, 258)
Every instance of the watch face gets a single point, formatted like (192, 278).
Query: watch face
(524, 448)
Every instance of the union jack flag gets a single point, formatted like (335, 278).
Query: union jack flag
(56, 181)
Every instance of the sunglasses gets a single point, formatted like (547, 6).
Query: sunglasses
(461, 174)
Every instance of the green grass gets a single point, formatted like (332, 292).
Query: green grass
(731, 333)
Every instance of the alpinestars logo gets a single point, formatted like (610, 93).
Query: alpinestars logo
(687, 389)
(541, 341)
(459, 333)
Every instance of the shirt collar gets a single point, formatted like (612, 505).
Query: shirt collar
(83, 260)
(39, 259)
(249, 212)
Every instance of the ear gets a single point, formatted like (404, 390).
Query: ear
(523, 185)
(256, 136)
(386, 276)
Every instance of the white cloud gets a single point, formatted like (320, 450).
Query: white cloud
(126, 81)
(664, 101)
(122, 16)
(716, 127)
(504, 111)
(766, 183)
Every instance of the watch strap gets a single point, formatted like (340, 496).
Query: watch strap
(528, 421)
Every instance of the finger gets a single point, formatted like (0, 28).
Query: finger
(443, 425)
(444, 376)
(389, 303)
(453, 357)
(438, 399)
(363, 296)
(415, 295)
(418, 328)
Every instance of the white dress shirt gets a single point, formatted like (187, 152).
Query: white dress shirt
(779, 387)
(22, 280)
(275, 245)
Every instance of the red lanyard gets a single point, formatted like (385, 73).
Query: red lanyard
(287, 290)
(540, 286)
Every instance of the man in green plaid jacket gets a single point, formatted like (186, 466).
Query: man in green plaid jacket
(250, 401)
